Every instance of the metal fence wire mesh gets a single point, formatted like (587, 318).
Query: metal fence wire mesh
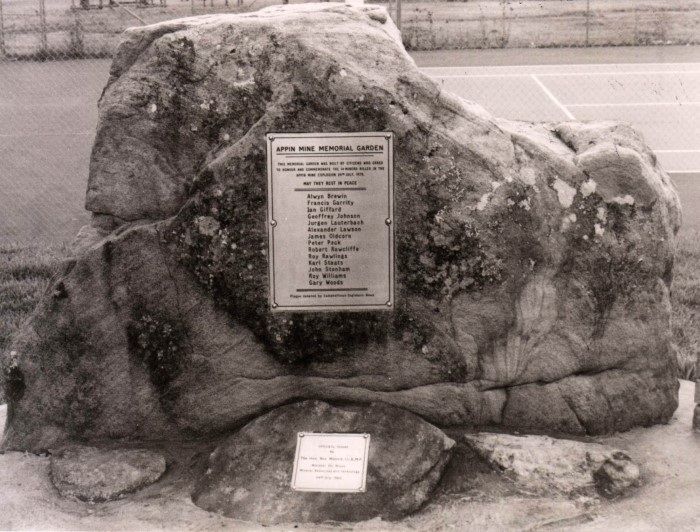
(55, 55)
(57, 29)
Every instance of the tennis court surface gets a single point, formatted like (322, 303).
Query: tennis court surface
(660, 100)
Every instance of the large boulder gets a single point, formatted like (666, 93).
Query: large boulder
(533, 262)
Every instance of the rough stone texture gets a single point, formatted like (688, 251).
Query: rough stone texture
(696, 412)
(98, 475)
(533, 261)
(555, 466)
(616, 476)
(249, 475)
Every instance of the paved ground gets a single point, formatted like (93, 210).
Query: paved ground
(661, 100)
(558, 56)
(48, 116)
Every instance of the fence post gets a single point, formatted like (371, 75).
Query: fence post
(129, 12)
(398, 14)
(2, 33)
(42, 21)
(588, 20)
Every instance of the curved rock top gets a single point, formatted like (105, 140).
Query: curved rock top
(533, 262)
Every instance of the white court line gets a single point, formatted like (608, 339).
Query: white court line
(676, 151)
(576, 65)
(638, 104)
(460, 76)
(568, 113)
(563, 74)
(62, 134)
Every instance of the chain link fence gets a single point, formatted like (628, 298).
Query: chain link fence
(57, 29)
(549, 23)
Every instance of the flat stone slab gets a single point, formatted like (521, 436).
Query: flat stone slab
(97, 475)
(249, 475)
(557, 466)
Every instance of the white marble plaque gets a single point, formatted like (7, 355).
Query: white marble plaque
(331, 462)
(330, 215)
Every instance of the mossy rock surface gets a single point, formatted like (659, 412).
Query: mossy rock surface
(533, 262)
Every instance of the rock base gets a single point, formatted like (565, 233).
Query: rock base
(249, 475)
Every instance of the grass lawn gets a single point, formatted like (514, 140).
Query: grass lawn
(685, 300)
(26, 271)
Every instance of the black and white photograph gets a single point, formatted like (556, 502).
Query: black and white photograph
(368, 265)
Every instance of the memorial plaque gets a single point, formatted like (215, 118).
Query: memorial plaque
(330, 462)
(330, 209)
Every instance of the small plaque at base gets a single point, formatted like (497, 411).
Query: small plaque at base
(331, 462)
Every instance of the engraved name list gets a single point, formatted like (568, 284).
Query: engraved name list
(330, 206)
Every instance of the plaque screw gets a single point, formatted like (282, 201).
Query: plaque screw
(366, 436)
(273, 223)
(388, 303)
(274, 305)
(387, 221)
(271, 138)
(388, 137)
(301, 434)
